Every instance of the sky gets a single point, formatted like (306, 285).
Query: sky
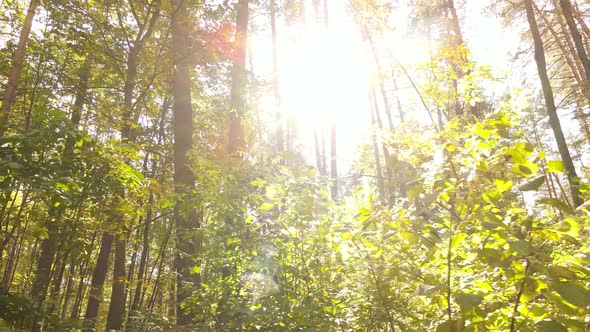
(325, 74)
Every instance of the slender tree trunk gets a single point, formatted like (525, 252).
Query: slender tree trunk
(238, 85)
(324, 170)
(566, 8)
(376, 154)
(333, 163)
(14, 76)
(275, 77)
(44, 263)
(184, 180)
(577, 75)
(68, 291)
(388, 170)
(458, 36)
(117, 306)
(318, 152)
(116, 314)
(550, 104)
(48, 245)
(144, 255)
(400, 109)
(98, 279)
(581, 21)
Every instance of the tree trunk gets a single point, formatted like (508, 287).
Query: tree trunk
(48, 245)
(318, 153)
(376, 154)
(238, 84)
(144, 255)
(116, 315)
(388, 170)
(117, 305)
(14, 76)
(333, 163)
(550, 104)
(577, 75)
(98, 279)
(184, 179)
(566, 8)
(275, 77)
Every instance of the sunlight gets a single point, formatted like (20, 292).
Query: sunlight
(325, 84)
(324, 79)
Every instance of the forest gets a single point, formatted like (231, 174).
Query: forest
(294, 165)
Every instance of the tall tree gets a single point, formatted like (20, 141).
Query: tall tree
(238, 82)
(275, 76)
(184, 180)
(566, 8)
(550, 105)
(17, 65)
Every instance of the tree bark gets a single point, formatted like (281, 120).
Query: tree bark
(15, 72)
(238, 84)
(116, 314)
(184, 179)
(550, 104)
(98, 279)
(566, 9)
(117, 306)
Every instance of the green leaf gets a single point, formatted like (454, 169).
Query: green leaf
(562, 272)
(569, 226)
(196, 270)
(457, 239)
(550, 326)
(573, 293)
(503, 185)
(266, 207)
(468, 301)
(450, 326)
(533, 184)
(555, 166)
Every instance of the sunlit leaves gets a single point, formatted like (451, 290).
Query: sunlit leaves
(555, 166)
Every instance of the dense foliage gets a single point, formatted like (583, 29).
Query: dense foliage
(144, 186)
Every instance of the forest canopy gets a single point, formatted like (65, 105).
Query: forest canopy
(294, 165)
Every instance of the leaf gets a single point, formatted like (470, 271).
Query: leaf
(550, 326)
(468, 301)
(562, 272)
(524, 169)
(569, 226)
(363, 214)
(451, 326)
(457, 239)
(196, 270)
(555, 166)
(266, 207)
(271, 192)
(533, 184)
(573, 293)
(503, 185)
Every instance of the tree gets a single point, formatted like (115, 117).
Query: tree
(15, 72)
(550, 104)
(184, 215)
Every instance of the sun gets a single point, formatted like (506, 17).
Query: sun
(324, 80)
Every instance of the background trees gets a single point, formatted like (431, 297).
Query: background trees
(147, 185)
